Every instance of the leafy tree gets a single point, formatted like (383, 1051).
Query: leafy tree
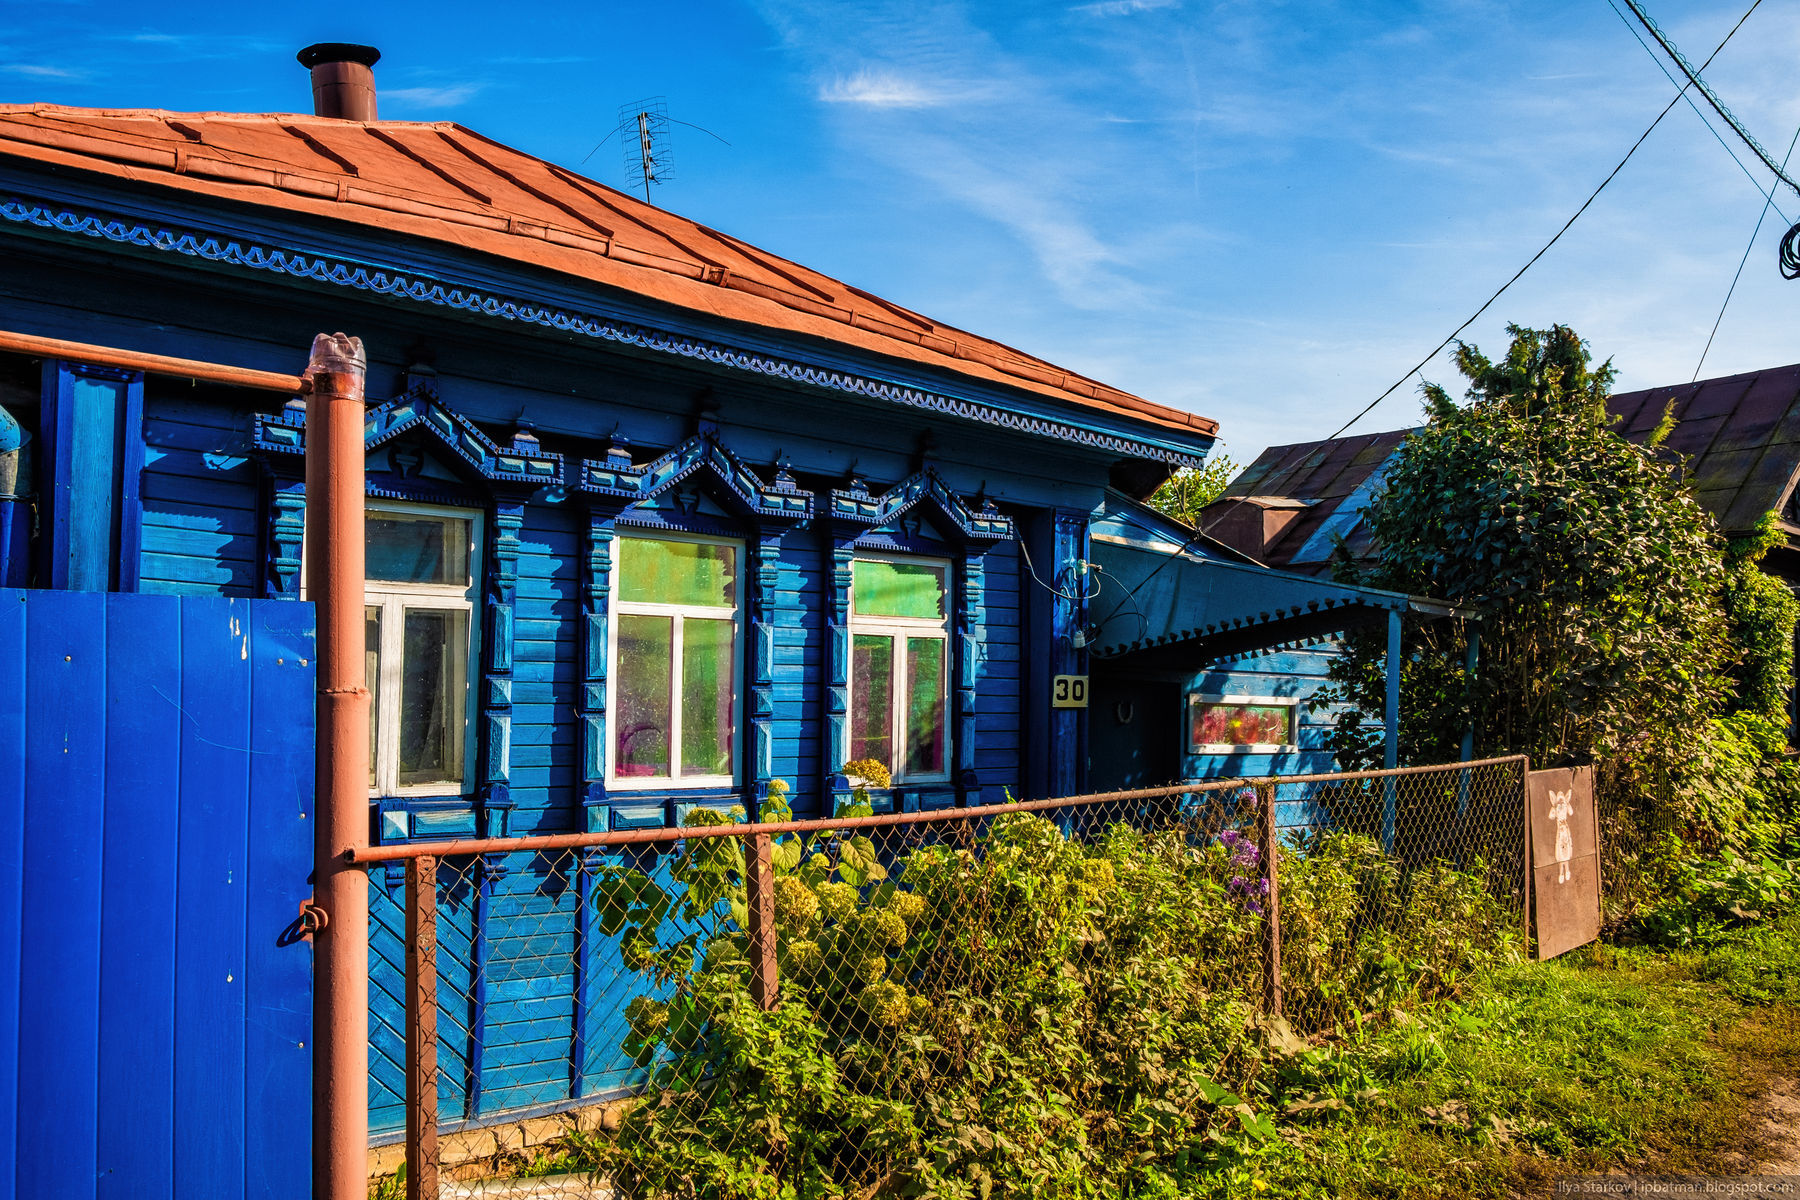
(1593, 576)
(1191, 489)
(1762, 612)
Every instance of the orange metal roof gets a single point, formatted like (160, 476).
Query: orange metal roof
(449, 184)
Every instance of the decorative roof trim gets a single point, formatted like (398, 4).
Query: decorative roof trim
(615, 479)
(856, 506)
(523, 464)
(421, 288)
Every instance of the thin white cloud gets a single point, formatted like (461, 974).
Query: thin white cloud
(40, 71)
(431, 97)
(883, 89)
(1123, 8)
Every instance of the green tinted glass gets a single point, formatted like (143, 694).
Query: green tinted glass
(692, 573)
(888, 589)
(641, 708)
(416, 547)
(872, 698)
(707, 648)
(924, 706)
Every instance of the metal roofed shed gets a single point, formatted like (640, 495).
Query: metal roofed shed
(1185, 624)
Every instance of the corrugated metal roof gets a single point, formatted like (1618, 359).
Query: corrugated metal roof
(1736, 439)
(1323, 473)
(449, 184)
(1739, 437)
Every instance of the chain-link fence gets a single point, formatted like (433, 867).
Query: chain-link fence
(851, 1006)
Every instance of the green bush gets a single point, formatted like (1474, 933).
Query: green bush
(1710, 897)
(1021, 1016)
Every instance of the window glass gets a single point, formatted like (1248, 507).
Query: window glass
(435, 644)
(924, 706)
(687, 573)
(372, 677)
(1239, 724)
(891, 589)
(641, 708)
(872, 698)
(416, 548)
(708, 652)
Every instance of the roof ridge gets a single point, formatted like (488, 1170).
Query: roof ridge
(443, 181)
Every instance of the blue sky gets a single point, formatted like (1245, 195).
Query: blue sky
(1261, 211)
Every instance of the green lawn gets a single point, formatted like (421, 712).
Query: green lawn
(1608, 1058)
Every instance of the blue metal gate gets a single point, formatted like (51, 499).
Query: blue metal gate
(156, 782)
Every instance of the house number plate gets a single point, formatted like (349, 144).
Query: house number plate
(1069, 691)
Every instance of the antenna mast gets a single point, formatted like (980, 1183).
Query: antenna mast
(644, 135)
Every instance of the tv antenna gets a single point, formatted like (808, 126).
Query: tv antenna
(644, 136)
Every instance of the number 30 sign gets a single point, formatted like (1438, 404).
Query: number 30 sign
(1069, 691)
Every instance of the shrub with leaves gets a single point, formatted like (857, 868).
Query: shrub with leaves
(1595, 574)
(1011, 1014)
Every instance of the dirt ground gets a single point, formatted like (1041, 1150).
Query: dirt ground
(1772, 1144)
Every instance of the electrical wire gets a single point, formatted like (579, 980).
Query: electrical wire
(1424, 362)
(1712, 97)
(1053, 591)
(1767, 202)
(1767, 193)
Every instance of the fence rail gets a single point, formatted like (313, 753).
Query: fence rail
(553, 1007)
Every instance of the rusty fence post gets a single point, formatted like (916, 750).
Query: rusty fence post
(1270, 847)
(759, 899)
(421, 1030)
(334, 582)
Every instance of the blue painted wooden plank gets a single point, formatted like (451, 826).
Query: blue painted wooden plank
(137, 1022)
(13, 721)
(59, 910)
(278, 991)
(210, 897)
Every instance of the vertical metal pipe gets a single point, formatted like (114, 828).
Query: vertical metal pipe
(421, 1030)
(1268, 836)
(1468, 738)
(759, 897)
(334, 565)
(1390, 756)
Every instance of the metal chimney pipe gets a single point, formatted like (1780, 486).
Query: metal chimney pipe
(343, 79)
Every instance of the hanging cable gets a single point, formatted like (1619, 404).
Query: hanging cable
(1768, 193)
(1767, 202)
(1048, 588)
(1424, 362)
(1712, 97)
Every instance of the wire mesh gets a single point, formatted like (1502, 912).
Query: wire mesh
(853, 1011)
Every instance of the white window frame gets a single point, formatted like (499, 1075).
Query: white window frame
(392, 597)
(900, 628)
(1292, 703)
(617, 608)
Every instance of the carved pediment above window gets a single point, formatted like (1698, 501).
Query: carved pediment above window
(699, 469)
(921, 497)
(414, 427)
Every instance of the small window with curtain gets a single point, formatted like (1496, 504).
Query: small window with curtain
(419, 603)
(1240, 724)
(675, 673)
(900, 666)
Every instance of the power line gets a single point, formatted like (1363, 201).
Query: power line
(1768, 201)
(1755, 4)
(1712, 97)
(1767, 193)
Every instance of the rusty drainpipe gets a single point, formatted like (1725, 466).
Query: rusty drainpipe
(334, 581)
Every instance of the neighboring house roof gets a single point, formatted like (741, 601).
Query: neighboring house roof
(1739, 436)
(449, 184)
(1322, 476)
(1736, 440)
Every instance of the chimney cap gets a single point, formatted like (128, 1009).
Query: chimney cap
(329, 52)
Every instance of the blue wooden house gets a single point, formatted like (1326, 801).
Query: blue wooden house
(655, 517)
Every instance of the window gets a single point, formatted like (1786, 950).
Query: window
(899, 666)
(675, 662)
(1227, 724)
(418, 605)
